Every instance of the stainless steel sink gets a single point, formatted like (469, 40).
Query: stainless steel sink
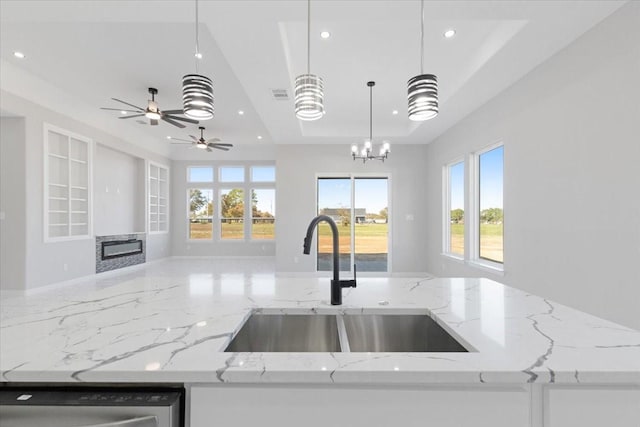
(342, 333)
(287, 333)
(398, 333)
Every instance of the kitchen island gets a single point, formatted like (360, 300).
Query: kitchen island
(530, 361)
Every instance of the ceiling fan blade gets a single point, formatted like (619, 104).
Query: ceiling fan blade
(126, 103)
(120, 109)
(182, 119)
(173, 111)
(195, 140)
(218, 148)
(131, 117)
(153, 122)
(183, 140)
(213, 140)
(220, 145)
(173, 122)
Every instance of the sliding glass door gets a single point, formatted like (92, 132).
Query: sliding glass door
(359, 207)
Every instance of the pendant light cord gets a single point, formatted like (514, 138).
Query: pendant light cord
(197, 40)
(422, 37)
(308, 36)
(371, 114)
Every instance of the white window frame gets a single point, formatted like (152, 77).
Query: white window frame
(446, 211)
(227, 183)
(232, 186)
(159, 166)
(199, 186)
(46, 184)
(213, 174)
(216, 186)
(474, 217)
(353, 177)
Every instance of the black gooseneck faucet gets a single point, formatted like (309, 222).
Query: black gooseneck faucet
(336, 283)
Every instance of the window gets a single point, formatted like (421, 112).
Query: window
(200, 213)
(232, 214)
(454, 209)
(482, 226)
(359, 207)
(67, 185)
(263, 213)
(263, 173)
(219, 201)
(490, 207)
(199, 174)
(232, 174)
(158, 199)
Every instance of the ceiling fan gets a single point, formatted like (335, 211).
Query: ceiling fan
(204, 144)
(152, 112)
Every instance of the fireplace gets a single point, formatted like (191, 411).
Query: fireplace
(119, 251)
(120, 248)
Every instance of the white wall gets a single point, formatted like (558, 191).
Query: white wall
(297, 166)
(45, 262)
(118, 202)
(571, 132)
(12, 203)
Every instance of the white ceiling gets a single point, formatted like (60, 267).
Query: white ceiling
(96, 50)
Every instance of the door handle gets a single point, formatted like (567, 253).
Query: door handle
(147, 421)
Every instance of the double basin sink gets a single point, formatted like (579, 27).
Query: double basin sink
(342, 333)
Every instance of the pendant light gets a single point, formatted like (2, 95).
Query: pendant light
(422, 89)
(197, 90)
(309, 89)
(364, 153)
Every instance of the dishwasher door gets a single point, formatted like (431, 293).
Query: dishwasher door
(90, 408)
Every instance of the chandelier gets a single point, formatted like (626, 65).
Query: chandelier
(366, 152)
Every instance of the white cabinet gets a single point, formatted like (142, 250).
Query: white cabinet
(593, 407)
(67, 185)
(358, 406)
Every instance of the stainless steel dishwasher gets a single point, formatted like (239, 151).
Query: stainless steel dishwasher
(104, 407)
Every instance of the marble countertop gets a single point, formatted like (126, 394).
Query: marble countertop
(159, 328)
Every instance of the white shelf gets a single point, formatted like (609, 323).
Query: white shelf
(66, 153)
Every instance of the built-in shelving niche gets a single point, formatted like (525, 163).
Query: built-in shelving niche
(67, 184)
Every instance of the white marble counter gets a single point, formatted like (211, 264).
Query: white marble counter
(165, 328)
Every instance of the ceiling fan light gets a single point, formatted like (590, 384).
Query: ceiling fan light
(309, 97)
(422, 96)
(153, 115)
(197, 97)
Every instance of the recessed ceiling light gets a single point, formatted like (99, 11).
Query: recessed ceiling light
(123, 112)
(325, 34)
(241, 112)
(198, 55)
(259, 136)
(450, 33)
(19, 55)
(394, 112)
(168, 137)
